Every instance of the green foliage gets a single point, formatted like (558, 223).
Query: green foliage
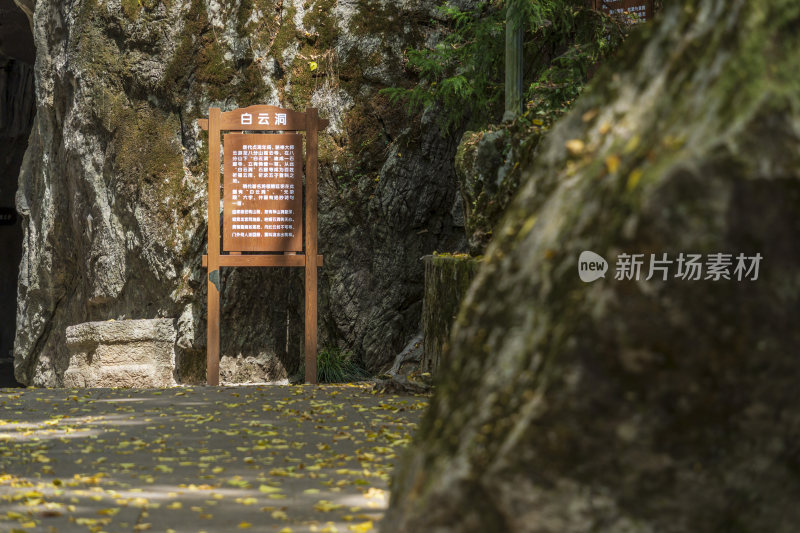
(335, 365)
(464, 72)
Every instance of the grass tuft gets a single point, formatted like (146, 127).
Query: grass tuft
(335, 365)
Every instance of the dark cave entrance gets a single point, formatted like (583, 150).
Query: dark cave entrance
(17, 109)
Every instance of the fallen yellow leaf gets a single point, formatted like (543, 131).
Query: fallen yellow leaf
(363, 527)
(575, 146)
(633, 179)
(326, 506)
(612, 164)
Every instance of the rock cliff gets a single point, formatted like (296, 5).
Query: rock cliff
(17, 107)
(113, 187)
(637, 406)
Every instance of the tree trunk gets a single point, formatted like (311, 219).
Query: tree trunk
(514, 59)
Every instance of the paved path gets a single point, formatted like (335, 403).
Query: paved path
(214, 459)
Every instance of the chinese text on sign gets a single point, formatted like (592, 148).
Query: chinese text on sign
(263, 189)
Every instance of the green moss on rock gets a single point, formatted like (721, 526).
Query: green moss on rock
(620, 405)
(147, 162)
(488, 170)
(447, 278)
(133, 8)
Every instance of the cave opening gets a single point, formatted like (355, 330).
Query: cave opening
(17, 109)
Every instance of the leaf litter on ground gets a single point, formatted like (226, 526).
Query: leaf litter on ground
(291, 458)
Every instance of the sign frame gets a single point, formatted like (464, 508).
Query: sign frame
(249, 119)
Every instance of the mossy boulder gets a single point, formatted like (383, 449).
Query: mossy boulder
(487, 167)
(617, 405)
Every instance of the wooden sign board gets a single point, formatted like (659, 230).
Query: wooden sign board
(263, 187)
(262, 207)
(633, 10)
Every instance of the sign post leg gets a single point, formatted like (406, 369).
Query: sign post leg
(212, 357)
(212, 342)
(311, 246)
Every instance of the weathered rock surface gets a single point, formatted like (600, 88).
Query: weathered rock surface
(113, 192)
(487, 166)
(651, 406)
(405, 377)
(17, 107)
(122, 353)
(408, 360)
